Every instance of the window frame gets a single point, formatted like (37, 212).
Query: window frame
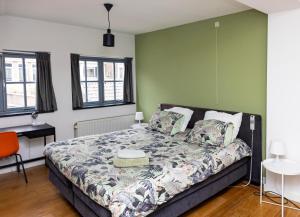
(4, 110)
(101, 102)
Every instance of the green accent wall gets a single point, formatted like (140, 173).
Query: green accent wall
(199, 65)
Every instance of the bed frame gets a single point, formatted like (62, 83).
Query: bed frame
(191, 197)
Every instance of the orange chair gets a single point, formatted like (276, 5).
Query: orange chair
(9, 146)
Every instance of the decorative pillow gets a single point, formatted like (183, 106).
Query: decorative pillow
(211, 132)
(229, 135)
(166, 122)
(235, 119)
(187, 113)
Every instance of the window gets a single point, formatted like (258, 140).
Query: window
(113, 81)
(18, 84)
(101, 80)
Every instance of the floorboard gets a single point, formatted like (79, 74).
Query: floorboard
(39, 198)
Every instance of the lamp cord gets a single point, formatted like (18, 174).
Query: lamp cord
(251, 161)
(274, 196)
(251, 165)
(108, 20)
(265, 193)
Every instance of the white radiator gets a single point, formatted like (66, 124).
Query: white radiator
(103, 125)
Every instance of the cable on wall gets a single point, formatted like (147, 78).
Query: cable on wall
(217, 25)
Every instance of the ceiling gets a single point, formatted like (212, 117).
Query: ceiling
(132, 16)
(272, 6)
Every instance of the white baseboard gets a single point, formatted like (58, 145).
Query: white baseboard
(295, 196)
(27, 165)
(291, 195)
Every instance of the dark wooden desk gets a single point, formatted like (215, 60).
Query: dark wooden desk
(31, 132)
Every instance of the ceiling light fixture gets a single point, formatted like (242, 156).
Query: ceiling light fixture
(108, 38)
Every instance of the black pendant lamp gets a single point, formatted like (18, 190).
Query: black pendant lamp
(108, 38)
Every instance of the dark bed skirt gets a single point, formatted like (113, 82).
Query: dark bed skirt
(178, 205)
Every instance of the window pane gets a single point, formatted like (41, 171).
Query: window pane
(82, 70)
(31, 95)
(83, 91)
(8, 70)
(92, 71)
(15, 95)
(108, 69)
(30, 67)
(120, 68)
(119, 90)
(109, 91)
(14, 69)
(93, 91)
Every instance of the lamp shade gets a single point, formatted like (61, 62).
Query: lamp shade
(108, 39)
(277, 148)
(139, 116)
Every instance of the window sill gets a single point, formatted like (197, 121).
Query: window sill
(104, 105)
(13, 114)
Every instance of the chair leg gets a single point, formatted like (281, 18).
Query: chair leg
(22, 164)
(18, 165)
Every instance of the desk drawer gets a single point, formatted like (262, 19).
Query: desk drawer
(40, 133)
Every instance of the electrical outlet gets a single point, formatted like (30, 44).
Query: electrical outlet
(217, 24)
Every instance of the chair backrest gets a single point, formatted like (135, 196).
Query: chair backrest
(9, 144)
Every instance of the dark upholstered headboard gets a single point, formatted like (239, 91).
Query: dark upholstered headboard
(244, 134)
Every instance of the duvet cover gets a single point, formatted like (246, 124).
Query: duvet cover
(175, 165)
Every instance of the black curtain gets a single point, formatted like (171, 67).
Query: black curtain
(46, 101)
(128, 81)
(77, 100)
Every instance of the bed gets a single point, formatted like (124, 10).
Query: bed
(175, 182)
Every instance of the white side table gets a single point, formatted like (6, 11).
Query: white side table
(139, 126)
(283, 167)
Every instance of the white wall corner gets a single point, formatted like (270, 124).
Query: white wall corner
(283, 92)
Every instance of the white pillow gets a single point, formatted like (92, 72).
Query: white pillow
(236, 119)
(187, 113)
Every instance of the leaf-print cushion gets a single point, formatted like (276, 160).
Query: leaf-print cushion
(166, 122)
(211, 132)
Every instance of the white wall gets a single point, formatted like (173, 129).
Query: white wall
(61, 40)
(283, 92)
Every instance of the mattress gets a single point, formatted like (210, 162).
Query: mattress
(175, 166)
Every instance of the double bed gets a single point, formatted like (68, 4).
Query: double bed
(180, 175)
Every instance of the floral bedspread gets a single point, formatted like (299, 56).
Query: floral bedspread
(175, 165)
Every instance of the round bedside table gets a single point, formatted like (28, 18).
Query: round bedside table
(139, 126)
(283, 167)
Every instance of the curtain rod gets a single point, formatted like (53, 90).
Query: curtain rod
(95, 56)
(103, 57)
(22, 51)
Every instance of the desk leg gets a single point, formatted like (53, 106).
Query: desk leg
(282, 195)
(18, 165)
(45, 143)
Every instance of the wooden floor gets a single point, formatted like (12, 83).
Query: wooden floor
(39, 198)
